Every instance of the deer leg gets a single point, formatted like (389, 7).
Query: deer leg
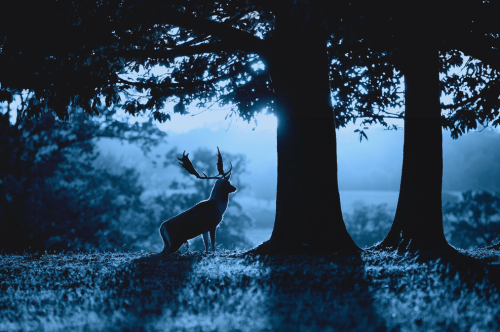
(165, 247)
(212, 239)
(205, 240)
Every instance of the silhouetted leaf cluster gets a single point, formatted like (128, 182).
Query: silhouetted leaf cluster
(370, 54)
(114, 47)
(143, 55)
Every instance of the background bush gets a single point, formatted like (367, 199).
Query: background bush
(473, 221)
(57, 193)
(368, 224)
(52, 195)
(469, 222)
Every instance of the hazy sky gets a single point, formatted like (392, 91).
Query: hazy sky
(471, 162)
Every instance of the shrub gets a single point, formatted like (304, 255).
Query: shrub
(369, 224)
(474, 221)
(53, 197)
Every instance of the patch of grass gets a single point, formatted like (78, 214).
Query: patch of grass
(194, 291)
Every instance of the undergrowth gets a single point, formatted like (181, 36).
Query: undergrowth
(226, 291)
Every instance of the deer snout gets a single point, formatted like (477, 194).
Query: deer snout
(231, 189)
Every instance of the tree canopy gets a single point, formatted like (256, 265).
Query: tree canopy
(143, 55)
(139, 52)
(369, 57)
(53, 195)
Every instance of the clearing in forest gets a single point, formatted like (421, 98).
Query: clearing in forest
(225, 291)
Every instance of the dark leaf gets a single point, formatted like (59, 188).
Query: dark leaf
(180, 108)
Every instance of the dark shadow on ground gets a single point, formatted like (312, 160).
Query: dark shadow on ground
(320, 293)
(248, 293)
(193, 291)
(472, 267)
(369, 291)
(149, 286)
(436, 291)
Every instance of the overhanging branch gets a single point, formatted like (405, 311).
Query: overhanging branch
(148, 85)
(462, 103)
(483, 48)
(178, 51)
(240, 39)
(488, 56)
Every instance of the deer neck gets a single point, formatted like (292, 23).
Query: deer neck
(221, 200)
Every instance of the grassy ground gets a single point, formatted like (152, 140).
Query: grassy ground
(224, 292)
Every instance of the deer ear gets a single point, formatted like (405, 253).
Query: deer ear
(228, 177)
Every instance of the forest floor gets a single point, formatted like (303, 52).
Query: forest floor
(194, 291)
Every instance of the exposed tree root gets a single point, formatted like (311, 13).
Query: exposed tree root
(403, 245)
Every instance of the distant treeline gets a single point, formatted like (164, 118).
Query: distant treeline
(469, 222)
(58, 194)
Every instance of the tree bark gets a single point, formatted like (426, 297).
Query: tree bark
(308, 212)
(418, 223)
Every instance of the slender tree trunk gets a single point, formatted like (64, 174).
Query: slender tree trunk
(308, 213)
(418, 224)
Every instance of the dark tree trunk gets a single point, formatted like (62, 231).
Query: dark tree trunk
(308, 213)
(418, 224)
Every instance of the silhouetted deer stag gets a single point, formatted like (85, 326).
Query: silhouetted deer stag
(204, 217)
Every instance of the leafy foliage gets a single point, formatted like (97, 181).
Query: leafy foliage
(53, 197)
(475, 94)
(370, 53)
(142, 54)
(145, 55)
(474, 220)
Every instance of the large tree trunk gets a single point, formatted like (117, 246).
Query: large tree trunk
(308, 213)
(418, 224)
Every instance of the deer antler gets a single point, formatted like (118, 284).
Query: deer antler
(220, 165)
(188, 166)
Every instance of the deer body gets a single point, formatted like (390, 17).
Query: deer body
(201, 219)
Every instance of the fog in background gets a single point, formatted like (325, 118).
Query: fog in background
(368, 171)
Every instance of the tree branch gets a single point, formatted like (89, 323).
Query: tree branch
(486, 55)
(375, 46)
(178, 51)
(240, 39)
(483, 48)
(382, 116)
(147, 85)
(462, 103)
